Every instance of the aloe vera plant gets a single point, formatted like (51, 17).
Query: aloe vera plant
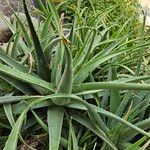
(69, 94)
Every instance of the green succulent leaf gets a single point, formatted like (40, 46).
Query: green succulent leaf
(65, 85)
(55, 120)
(11, 72)
(42, 65)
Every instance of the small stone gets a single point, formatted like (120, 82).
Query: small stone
(5, 32)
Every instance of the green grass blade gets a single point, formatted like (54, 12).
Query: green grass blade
(122, 107)
(92, 5)
(45, 28)
(11, 99)
(146, 145)
(9, 114)
(107, 113)
(69, 146)
(45, 33)
(13, 137)
(55, 119)
(114, 101)
(40, 121)
(74, 138)
(21, 42)
(87, 52)
(96, 119)
(23, 28)
(55, 16)
(57, 65)
(9, 44)
(11, 62)
(125, 145)
(96, 94)
(40, 5)
(137, 129)
(94, 129)
(139, 63)
(114, 94)
(14, 47)
(80, 54)
(91, 65)
(21, 86)
(132, 79)
(143, 125)
(3, 125)
(63, 142)
(137, 144)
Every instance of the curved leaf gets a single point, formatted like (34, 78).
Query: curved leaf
(42, 65)
(110, 85)
(25, 77)
(65, 85)
(55, 120)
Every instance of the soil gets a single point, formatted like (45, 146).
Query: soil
(15, 4)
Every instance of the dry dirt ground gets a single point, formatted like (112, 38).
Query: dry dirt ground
(15, 4)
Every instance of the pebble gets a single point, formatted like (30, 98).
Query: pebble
(5, 33)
